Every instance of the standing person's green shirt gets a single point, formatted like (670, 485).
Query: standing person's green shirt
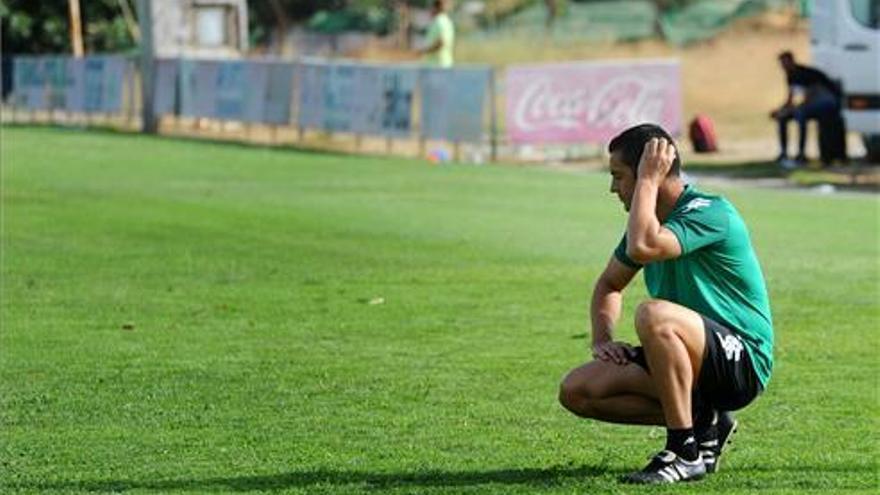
(442, 30)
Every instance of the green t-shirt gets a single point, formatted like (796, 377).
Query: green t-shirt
(717, 274)
(441, 28)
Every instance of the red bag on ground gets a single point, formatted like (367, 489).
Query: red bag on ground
(702, 134)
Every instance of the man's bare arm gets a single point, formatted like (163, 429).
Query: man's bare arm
(646, 238)
(434, 47)
(605, 308)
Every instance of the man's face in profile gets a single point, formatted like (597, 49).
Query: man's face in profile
(787, 63)
(623, 180)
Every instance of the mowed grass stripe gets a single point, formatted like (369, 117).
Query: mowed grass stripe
(257, 363)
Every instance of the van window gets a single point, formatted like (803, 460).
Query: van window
(866, 12)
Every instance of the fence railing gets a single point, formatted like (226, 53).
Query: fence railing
(570, 104)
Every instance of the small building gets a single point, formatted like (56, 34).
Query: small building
(200, 28)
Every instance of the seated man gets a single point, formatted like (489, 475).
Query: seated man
(820, 98)
(706, 336)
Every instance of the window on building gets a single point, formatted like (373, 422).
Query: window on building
(211, 26)
(866, 12)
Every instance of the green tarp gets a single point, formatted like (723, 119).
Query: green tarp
(626, 20)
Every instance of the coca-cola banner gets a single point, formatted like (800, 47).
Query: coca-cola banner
(590, 101)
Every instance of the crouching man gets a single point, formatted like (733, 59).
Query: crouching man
(706, 336)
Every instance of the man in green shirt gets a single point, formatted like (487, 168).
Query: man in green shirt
(706, 336)
(441, 36)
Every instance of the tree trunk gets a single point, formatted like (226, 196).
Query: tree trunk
(76, 40)
(552, 12)
(130, 21)
(281, 27)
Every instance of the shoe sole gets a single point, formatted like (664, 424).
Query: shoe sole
(629, 481)
(724, 443)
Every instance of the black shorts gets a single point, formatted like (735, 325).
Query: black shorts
(727, 380)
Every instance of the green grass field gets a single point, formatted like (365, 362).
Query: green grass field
(182, 317)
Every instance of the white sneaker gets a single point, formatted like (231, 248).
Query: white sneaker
(667, 467)
(788, 164)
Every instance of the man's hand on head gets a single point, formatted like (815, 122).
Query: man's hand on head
(657, 158)
(615, 352)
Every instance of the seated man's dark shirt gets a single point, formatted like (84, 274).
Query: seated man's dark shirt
(808, 77)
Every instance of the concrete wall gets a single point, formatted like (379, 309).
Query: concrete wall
(176, 28)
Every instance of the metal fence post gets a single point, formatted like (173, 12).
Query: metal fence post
(130, 82)
(423, 140)
(145, 14)
(493, 118)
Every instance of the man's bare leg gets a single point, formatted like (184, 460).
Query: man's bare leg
(613, 393)
(627, 409)
(674, 341)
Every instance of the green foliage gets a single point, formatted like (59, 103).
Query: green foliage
(262, 13)
(328, 16)
(702, 20)
(30, 26)
(372, 19)
(43, 27)
(181, 317)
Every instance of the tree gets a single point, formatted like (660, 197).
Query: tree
(278, 15)
(43, 27)
(552, 11)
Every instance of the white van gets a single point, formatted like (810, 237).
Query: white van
(845, 39)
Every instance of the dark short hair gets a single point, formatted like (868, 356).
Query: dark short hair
(631, 143)
(786, 54)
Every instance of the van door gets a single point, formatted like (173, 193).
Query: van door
(823, 37)
(858, 33)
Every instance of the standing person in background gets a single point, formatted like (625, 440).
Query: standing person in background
(440, 37)
(820, 99)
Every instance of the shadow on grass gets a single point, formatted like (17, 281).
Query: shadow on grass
(326, 478)
(744, 170)
(854, 177)
(230, 142)
(807, 477)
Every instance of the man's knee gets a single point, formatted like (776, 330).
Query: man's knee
(652, 319)
(578, 390)
(570, 397)
(571, 391)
